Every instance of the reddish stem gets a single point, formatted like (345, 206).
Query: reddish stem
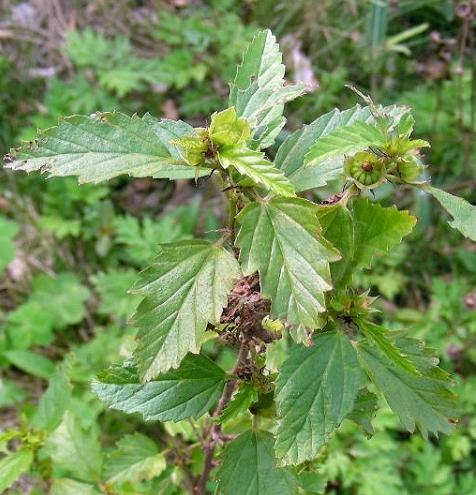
(214, 432)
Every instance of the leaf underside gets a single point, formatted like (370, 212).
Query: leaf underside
(422, 401)
(291, 155)
(258, 92)
(463, 213)
(103, 146)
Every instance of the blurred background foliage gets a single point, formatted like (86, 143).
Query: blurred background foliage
(68, 253)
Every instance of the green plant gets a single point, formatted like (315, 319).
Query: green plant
(276, 285)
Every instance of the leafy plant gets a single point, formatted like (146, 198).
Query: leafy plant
(277, 281)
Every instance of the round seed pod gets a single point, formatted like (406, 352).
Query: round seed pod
(272, 325)
(194, 147)
(409, 168)
(365, 169)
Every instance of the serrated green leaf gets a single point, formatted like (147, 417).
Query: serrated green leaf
(377, 230)
(406, 145)
(226, 129)
(339, 228)
(264, 110)
(240, 402)
(265, 135)
(291, 154)
(261, 63)
(76, 450)
(349, 139)
(8, 231)
(279, 239)
(189, 391)
(379, 336)
(364, 231)
(405, 126)
(320, 175)
(54, 402)
(249, 466)
(67, 486)
(463, 213)
(106, 145)
(315, 391)
(365, 407)
(254, 165)
(185, 288)
(136, 458)
(258, 92)
(422, 401)
(13, 466)
(424, 358)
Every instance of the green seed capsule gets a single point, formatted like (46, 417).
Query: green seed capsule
(409, 169)
(272, 325)
(365, 169)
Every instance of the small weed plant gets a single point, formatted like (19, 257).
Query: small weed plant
(276, 288)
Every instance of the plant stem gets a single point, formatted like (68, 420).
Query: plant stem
(213, 436)
(232, 203)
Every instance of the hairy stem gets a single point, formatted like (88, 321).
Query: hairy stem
(213, 434)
